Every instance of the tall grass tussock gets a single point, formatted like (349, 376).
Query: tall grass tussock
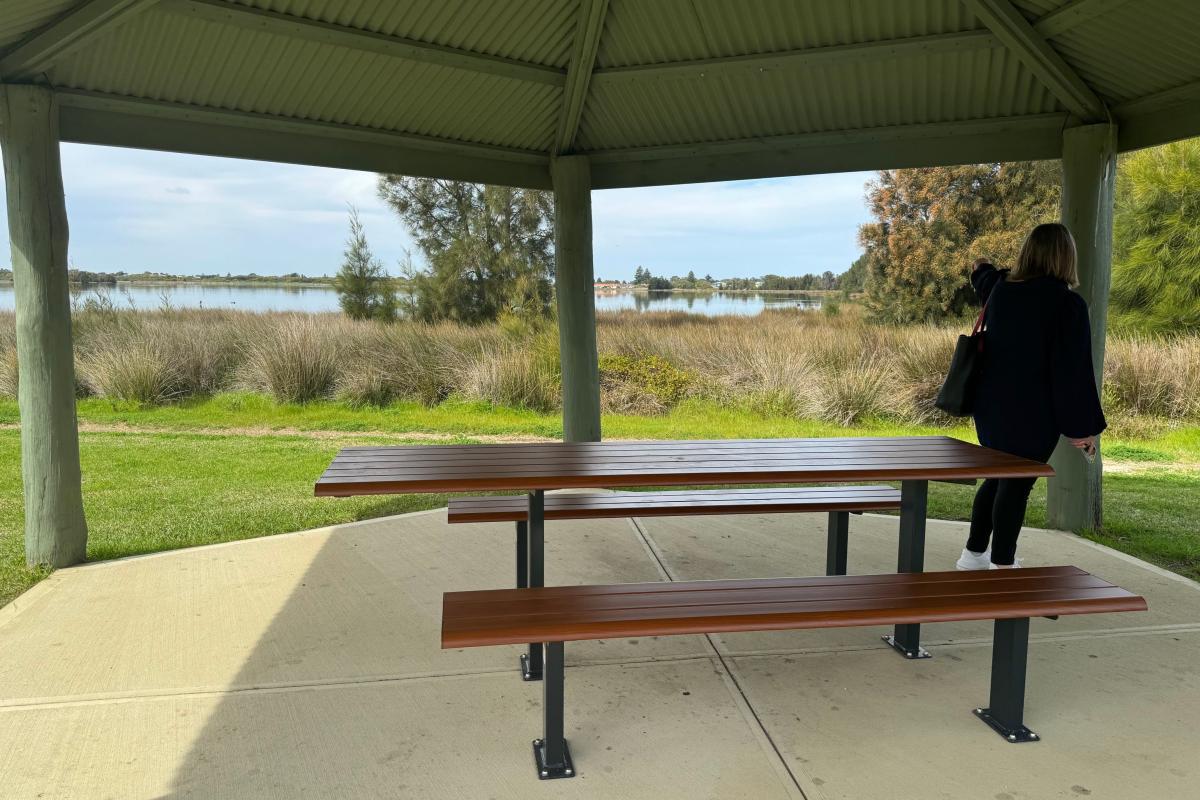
(833, 367)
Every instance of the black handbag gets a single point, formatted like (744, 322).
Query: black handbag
(958, 390)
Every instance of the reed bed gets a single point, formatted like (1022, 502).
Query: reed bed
(834, 367)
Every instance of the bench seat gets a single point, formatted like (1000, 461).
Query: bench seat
(559, 614)
(600, 505)
(839, 501)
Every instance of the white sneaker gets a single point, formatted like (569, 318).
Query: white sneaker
(971, 561)
(1016, 564)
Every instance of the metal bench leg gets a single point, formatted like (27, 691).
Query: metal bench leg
(1010, 653)
(531, 662)
(522, 555)
(836, 545)
(550, 753)
(914, 498)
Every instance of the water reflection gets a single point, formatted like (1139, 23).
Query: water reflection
(317, 299)
(706, 303)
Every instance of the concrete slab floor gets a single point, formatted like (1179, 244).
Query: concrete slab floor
(307, 665)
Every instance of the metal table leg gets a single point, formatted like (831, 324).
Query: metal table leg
(914, 497)
(1010, 652)
(836, 544)
(531, 662)
(551, 755)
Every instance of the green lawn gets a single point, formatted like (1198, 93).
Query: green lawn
(148, 486)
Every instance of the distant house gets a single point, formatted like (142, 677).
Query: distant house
(609, 286)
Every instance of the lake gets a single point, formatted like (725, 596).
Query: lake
(315, 299)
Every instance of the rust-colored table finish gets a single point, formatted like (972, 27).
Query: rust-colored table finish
(574, 613)
(534, 468)
(610, 465)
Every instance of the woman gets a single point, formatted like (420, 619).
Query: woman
(1035, 382)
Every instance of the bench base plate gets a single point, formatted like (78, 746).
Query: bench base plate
(548, 772)
(920, 652)
(1015, 735)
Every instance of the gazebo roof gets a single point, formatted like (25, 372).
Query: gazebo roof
(654, 92)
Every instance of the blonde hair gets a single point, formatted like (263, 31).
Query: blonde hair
(1049, 249)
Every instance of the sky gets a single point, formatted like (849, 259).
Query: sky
(135, 210)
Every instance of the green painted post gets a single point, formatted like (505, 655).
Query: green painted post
(575, 293)
(1089, 161)
(55, 529)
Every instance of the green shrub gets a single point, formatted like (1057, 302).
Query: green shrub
(649, 384)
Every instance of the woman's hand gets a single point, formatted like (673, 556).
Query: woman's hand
(1086, 444)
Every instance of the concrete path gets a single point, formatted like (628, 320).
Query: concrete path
(307, 666)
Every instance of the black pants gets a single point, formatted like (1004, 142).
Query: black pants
(998, 513)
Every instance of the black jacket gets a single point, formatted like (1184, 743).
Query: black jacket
(1036, 380)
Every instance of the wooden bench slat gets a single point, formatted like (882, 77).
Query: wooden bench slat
(599, 612)
(554, 592)
(532, 605)
(682, 503)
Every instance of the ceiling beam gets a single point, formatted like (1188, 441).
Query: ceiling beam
(1075, 13)
(938, 144)
(257, 19)
(1159, 118)
(588, 28)
(800, 59)
(96, 118)
(1002, 19)
(62, 36)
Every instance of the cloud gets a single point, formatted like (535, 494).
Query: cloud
(136, 210)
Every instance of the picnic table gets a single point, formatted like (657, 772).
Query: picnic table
(535, 468)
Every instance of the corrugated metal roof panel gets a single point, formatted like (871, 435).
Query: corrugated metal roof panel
(185, 60)
(1136, 49)
(921, 89)
(638, 32)
(537, 31)
(19, 18)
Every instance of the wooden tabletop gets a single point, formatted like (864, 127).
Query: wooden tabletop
(614, 464)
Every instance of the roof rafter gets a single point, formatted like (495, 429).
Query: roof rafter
(98, 118)
(382, 44)
(68, 32)
(1075, 13)
(588, 28)
(1159, 118)
(800, 59)
(1002, 19)
(1002, 139)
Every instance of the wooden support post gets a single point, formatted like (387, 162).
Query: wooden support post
(575, 292)
(55, 530)
(1089, 159)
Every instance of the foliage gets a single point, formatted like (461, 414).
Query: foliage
(646, 384)
(1156, 238)
(489, 248)
(363, 287)
(296, 362)
(930, 223)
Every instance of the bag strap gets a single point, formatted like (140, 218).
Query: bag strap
(979, 320)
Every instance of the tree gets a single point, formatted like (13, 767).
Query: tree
(930, 223)
(852, 279)
(1156, 238)
(489, 248)
(364, 289)
(641, 275)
